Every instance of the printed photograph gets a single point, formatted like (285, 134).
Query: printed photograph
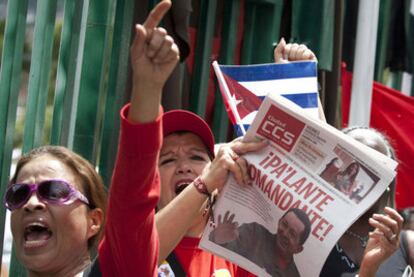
(348, 176)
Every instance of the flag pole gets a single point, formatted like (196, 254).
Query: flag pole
(223, 84)
(364, 63)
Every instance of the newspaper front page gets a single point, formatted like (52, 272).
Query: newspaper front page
(307, 187)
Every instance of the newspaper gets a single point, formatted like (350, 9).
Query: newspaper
(308, 186)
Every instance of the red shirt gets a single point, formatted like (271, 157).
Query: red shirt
(130, 244)
(199, 263)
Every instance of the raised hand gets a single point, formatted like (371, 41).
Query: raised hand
(284, 53)
(153, 52)
(290, 52)
(153, 57)
(225, 230)
(383, 241)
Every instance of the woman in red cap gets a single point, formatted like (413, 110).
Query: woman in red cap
(190, 173)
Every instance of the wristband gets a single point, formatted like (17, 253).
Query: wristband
(201, 187)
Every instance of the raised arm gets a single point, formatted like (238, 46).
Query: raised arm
(383, 241)
(153, 57)
(131, 241)
(290, 52)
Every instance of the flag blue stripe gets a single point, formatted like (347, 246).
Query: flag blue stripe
(270, 71)
(304, 100)
(238, 131)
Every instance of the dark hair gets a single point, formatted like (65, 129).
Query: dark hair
(303, 217)
(348, 169)
(332, 161)
(91, 183)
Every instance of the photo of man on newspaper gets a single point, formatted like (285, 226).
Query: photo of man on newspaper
(348, 176)
(273, 252)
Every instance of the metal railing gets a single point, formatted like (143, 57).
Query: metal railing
(90, 80)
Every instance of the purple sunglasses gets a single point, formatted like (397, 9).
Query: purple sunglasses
(53, 191)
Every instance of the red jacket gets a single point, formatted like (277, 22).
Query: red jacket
(130, 244)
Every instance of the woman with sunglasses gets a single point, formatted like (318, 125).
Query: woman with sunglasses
(57, 200)
(57, 203)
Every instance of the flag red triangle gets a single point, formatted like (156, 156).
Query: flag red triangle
(247, 101)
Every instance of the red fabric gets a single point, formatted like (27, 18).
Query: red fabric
(197, 262)
(393, 114)
(130, 244)
(182, 120)
(246, 101)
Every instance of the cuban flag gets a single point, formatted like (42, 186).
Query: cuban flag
(243, 87)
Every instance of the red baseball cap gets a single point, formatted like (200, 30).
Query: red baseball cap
(182, 120)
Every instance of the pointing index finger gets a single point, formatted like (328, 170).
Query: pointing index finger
(157, 14)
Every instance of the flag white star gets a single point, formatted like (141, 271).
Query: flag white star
(235, 100)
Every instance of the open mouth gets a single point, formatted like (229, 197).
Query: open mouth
(180, 187)
(36, 234)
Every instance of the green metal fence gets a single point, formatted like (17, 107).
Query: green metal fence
(92, 70)
(10, 77)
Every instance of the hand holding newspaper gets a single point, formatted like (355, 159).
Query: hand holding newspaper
(301, 199)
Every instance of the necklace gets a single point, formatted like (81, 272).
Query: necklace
(362, 239)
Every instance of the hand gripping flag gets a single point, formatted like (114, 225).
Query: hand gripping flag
(243, 88)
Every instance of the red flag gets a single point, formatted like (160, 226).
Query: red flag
(246, 101)
(393, 114)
